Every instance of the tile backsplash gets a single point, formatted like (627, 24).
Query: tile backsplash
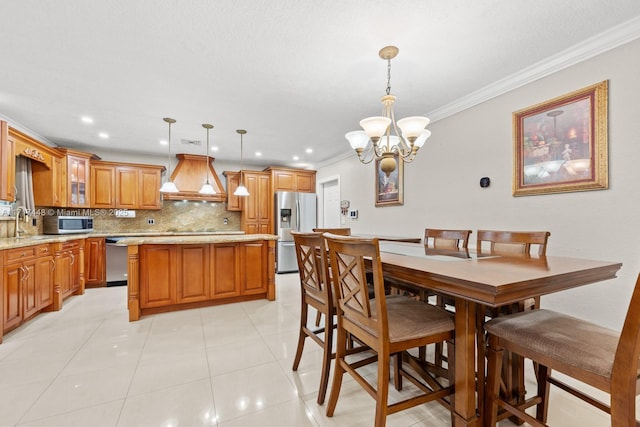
(182, 216)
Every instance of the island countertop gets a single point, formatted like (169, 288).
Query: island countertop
(193, 239)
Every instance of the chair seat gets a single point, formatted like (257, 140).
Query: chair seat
(569, 340)
(410, 319)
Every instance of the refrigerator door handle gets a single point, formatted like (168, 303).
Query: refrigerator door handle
(297, 215)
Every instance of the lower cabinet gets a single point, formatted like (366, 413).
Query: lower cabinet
(95, 255)
(69, 277)
(182, 274)
(27, 279)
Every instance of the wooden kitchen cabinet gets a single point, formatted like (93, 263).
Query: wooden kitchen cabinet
(125, 185)
(193, 273)
(78, 180)
(224, 267)
(299, 180)
(234, 203)
(166, 277)
(256, 209)
(27, 277)
(69, 277)
(95, 255)
(158, 275)
(7, 164)
(49, 182)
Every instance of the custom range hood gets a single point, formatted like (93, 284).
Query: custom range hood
(191, 172)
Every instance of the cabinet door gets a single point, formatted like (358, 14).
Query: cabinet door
(103, 185)
(94, 261)
(12, 295)
(63, 273)
(283, 180)
(7, 164)
(254, 279)
(126, 187)
(234, 203)
(264, 197)
(29, 290)
(44, 281)
(158, 275)
(78, 182)
(224, 270)
(306, 182)
(149, 188)
(193, 277)
(250, 210)
(75, 270)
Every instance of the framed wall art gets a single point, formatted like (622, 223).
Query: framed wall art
(560, 145)
(390, 188)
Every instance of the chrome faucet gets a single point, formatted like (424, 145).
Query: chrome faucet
(17, 230)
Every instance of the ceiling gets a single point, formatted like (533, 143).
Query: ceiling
(296, 74)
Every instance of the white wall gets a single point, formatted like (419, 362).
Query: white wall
(442, 185)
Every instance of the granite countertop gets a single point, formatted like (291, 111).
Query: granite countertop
(177, 236)
(189, 239)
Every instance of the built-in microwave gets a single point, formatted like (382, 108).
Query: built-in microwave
(67, 224)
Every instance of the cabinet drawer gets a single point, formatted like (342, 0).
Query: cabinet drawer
(43, 250)
(19, 253)
(71, 244)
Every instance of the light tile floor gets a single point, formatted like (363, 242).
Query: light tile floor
(227, 366)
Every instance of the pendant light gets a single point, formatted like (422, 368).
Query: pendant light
(206, 187)
(169, 187)
(241, 190)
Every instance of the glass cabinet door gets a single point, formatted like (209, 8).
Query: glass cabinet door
(78, 170)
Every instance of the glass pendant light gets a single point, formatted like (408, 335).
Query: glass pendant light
(169, 186)
(207, 188)
(241, 190)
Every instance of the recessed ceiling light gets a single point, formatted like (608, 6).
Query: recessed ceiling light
(103, 135)
(258, 153)
(163, 142)
(86, 119)
(214, 148)
(296, 158)
(309, 150)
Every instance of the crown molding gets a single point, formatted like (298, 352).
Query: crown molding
(593, 46)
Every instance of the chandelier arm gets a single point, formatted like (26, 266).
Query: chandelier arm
(367, 154)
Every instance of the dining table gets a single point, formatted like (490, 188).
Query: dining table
(479, 280)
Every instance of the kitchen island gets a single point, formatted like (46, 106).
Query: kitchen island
(168, 273)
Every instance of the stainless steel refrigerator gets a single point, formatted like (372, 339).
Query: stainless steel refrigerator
(293, 212)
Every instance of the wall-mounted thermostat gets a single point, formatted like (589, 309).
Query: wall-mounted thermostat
(353, 214)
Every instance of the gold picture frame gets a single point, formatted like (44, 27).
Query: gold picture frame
(560, 145)
(390, 189)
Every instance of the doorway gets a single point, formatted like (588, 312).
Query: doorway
(330, 193)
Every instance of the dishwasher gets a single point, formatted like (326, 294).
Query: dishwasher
(116, 262)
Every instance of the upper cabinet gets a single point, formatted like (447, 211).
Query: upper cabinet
(234, 203)
(125, 185)
(7, 164)
(283, 179)
(78, 178)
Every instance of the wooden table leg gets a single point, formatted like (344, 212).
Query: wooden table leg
(465, 402)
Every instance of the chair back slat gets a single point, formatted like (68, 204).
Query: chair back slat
(446, 239)
(348, 257)
(512, 242)
(312, 267)
(339, 231)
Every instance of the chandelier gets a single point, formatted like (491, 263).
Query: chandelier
(169, 186)
(380, 138)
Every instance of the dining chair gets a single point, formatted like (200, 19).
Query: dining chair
(506, 243)
(345, 231)
(446, 240)
(316, 292)
(594, 355)
(388, 326)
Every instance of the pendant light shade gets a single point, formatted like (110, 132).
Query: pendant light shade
(241, 190)
(169, 186)
(207, 188)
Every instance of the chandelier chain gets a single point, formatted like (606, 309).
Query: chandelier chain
(389, 76)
